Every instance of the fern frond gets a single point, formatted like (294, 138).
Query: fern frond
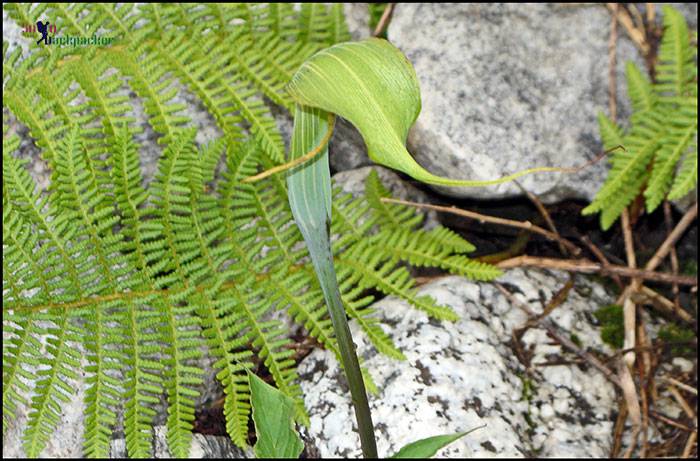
(389, 213)
(150, 82)
(352, 219)
(420, 249)
(365, 317)
(373, 269)
(42, 127)
(447, 238)
(60, 359)
(101, 91)
(675, 144)
(687, 177)
(312, 23)
(171, 197)
(640, 91)
(628, 171)
(78, 191)
(664, 125)
(677, 68)
(19, 345)
(230, 100)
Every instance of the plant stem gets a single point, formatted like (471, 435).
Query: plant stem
(350, 363)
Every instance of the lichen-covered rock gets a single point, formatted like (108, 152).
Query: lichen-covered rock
(462, 375)
(506, 87)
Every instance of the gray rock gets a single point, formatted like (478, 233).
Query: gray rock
(203, 447)
(510, 87)
(462, 375)
(689, 10)
(12, 33)
(357, 18)
(353, 182)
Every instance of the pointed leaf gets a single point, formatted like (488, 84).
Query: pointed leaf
(426, 448)
(273, 413)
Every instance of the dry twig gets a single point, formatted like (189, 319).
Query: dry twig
(384, 20)
(629, 308)
(544, 213)
(679, 384)
(630, 394)
(527, 225)
(589, 267)
(673, 237)
(646, 295)
(634, 33)
(601, 257)
(674, 255)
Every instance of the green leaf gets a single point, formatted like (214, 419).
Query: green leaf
(426, 448)
(309, 191)
(373, 85)
(273, 413)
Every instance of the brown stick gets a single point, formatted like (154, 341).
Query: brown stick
(545, 215)
(630, 393)
(672, 238)
(674, 255)
(527, 225)
(635, 34)
(650, 297)
(645, 380)
(612, 63)
(384, 20)
(651, 13)
(669, 421)
(601, 257)
(619, 429)
(692, 438)
(680, 384)
(629, 308)
(589, 267)
(682, 402)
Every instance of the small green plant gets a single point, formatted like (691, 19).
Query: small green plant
(659, 159)
(680, 339)
(612, 328)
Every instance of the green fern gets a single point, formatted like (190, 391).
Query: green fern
(663, 133)
(130, 281)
